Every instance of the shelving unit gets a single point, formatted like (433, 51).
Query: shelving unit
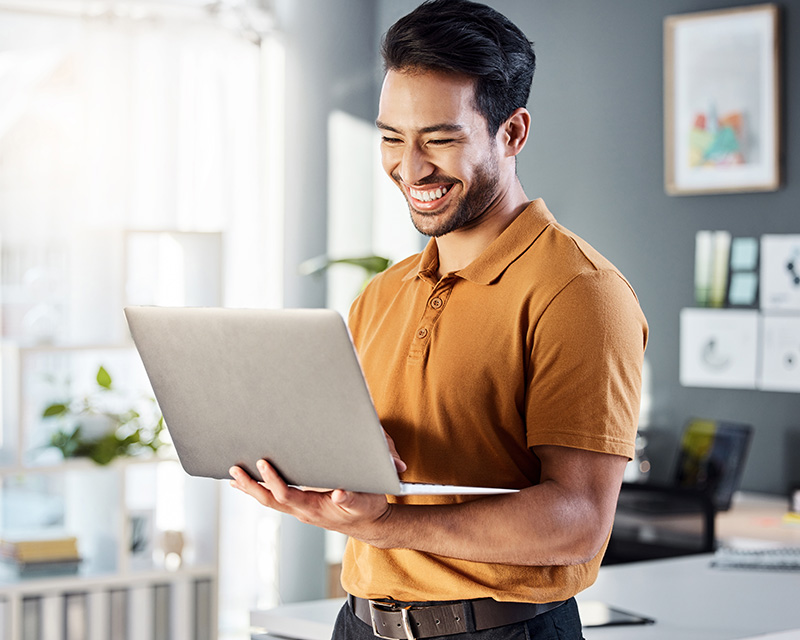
(123, 591)
(148, 534)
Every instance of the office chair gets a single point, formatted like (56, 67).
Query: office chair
(659, 521)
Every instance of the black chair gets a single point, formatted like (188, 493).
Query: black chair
(656, 521)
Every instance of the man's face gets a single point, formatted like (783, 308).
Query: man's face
(437, 149)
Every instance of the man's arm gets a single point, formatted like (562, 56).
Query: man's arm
(565, 519)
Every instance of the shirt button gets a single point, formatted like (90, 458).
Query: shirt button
(437, 303)
(422, 333)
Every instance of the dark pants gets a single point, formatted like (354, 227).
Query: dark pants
(561, 623)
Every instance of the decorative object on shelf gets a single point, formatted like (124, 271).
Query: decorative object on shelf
(172, 543)
(142, 534)
(725, 270)
(98, 430)
(722, 101)
(712, 250)
(743, 288)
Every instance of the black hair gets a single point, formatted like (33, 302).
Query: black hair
(466, 37)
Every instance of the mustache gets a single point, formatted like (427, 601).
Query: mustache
(436, 179)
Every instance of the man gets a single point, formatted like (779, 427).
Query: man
(508, 353)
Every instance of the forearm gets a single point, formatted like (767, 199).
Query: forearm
(565, 519)
(537, 526)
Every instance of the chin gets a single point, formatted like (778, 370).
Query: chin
(428, 224)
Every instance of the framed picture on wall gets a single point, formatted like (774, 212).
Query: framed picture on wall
(722, 101)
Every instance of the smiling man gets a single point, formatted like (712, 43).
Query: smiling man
(508, 353)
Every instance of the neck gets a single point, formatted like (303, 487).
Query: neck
(459, 248)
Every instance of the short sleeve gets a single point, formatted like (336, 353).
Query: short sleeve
(585, 372)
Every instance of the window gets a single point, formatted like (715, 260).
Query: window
(131, 135)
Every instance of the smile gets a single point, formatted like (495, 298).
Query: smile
(429, 198)
(428, 195)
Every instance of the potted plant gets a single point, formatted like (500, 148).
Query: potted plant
(100, 427)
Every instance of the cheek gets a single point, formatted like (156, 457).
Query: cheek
(389, 160)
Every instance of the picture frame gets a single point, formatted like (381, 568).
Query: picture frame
(722, 101)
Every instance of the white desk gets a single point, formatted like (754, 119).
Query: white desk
(691, 600)
(688, 599)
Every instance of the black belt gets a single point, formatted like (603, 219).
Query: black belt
(407, 621)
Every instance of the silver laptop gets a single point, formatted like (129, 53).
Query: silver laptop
(239, 385)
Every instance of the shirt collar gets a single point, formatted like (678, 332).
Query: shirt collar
(496, 258)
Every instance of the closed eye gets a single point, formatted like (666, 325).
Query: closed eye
(390, 140)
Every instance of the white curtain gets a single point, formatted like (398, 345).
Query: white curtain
(112, 124)
(109, 124)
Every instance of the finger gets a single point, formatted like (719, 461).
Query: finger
(275, 484)
(243, 482)
(240, 479)
(399, 464)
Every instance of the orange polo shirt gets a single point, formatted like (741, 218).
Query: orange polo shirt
(538, 341)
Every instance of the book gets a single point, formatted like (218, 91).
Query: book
(37, 547)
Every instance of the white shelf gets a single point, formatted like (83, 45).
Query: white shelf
(98, 505)
(88, 581)
(84, 464)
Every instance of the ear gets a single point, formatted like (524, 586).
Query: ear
(513, 133)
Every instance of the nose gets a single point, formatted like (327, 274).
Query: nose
(414, 165)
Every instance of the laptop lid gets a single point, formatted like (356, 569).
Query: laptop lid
(239, 385)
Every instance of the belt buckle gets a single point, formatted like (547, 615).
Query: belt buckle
(391, 608)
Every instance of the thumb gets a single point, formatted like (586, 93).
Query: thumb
(342, 498)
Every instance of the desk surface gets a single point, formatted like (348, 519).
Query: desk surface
(759, 517)
(691, 600)
(688, 598)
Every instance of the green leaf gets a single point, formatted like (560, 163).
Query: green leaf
(104, 451)
(58, 409)
(371, 264)
(103, 378)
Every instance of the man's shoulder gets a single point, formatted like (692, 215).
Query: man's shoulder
(560, 257)
(573, 251)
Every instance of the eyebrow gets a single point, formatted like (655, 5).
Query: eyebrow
(434, 128)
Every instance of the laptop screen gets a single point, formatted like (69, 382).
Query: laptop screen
(712, 457)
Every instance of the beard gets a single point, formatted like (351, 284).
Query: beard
(463, 211)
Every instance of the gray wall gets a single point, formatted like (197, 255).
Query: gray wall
(595, 156)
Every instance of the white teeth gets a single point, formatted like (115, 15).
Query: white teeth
(428, 196)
